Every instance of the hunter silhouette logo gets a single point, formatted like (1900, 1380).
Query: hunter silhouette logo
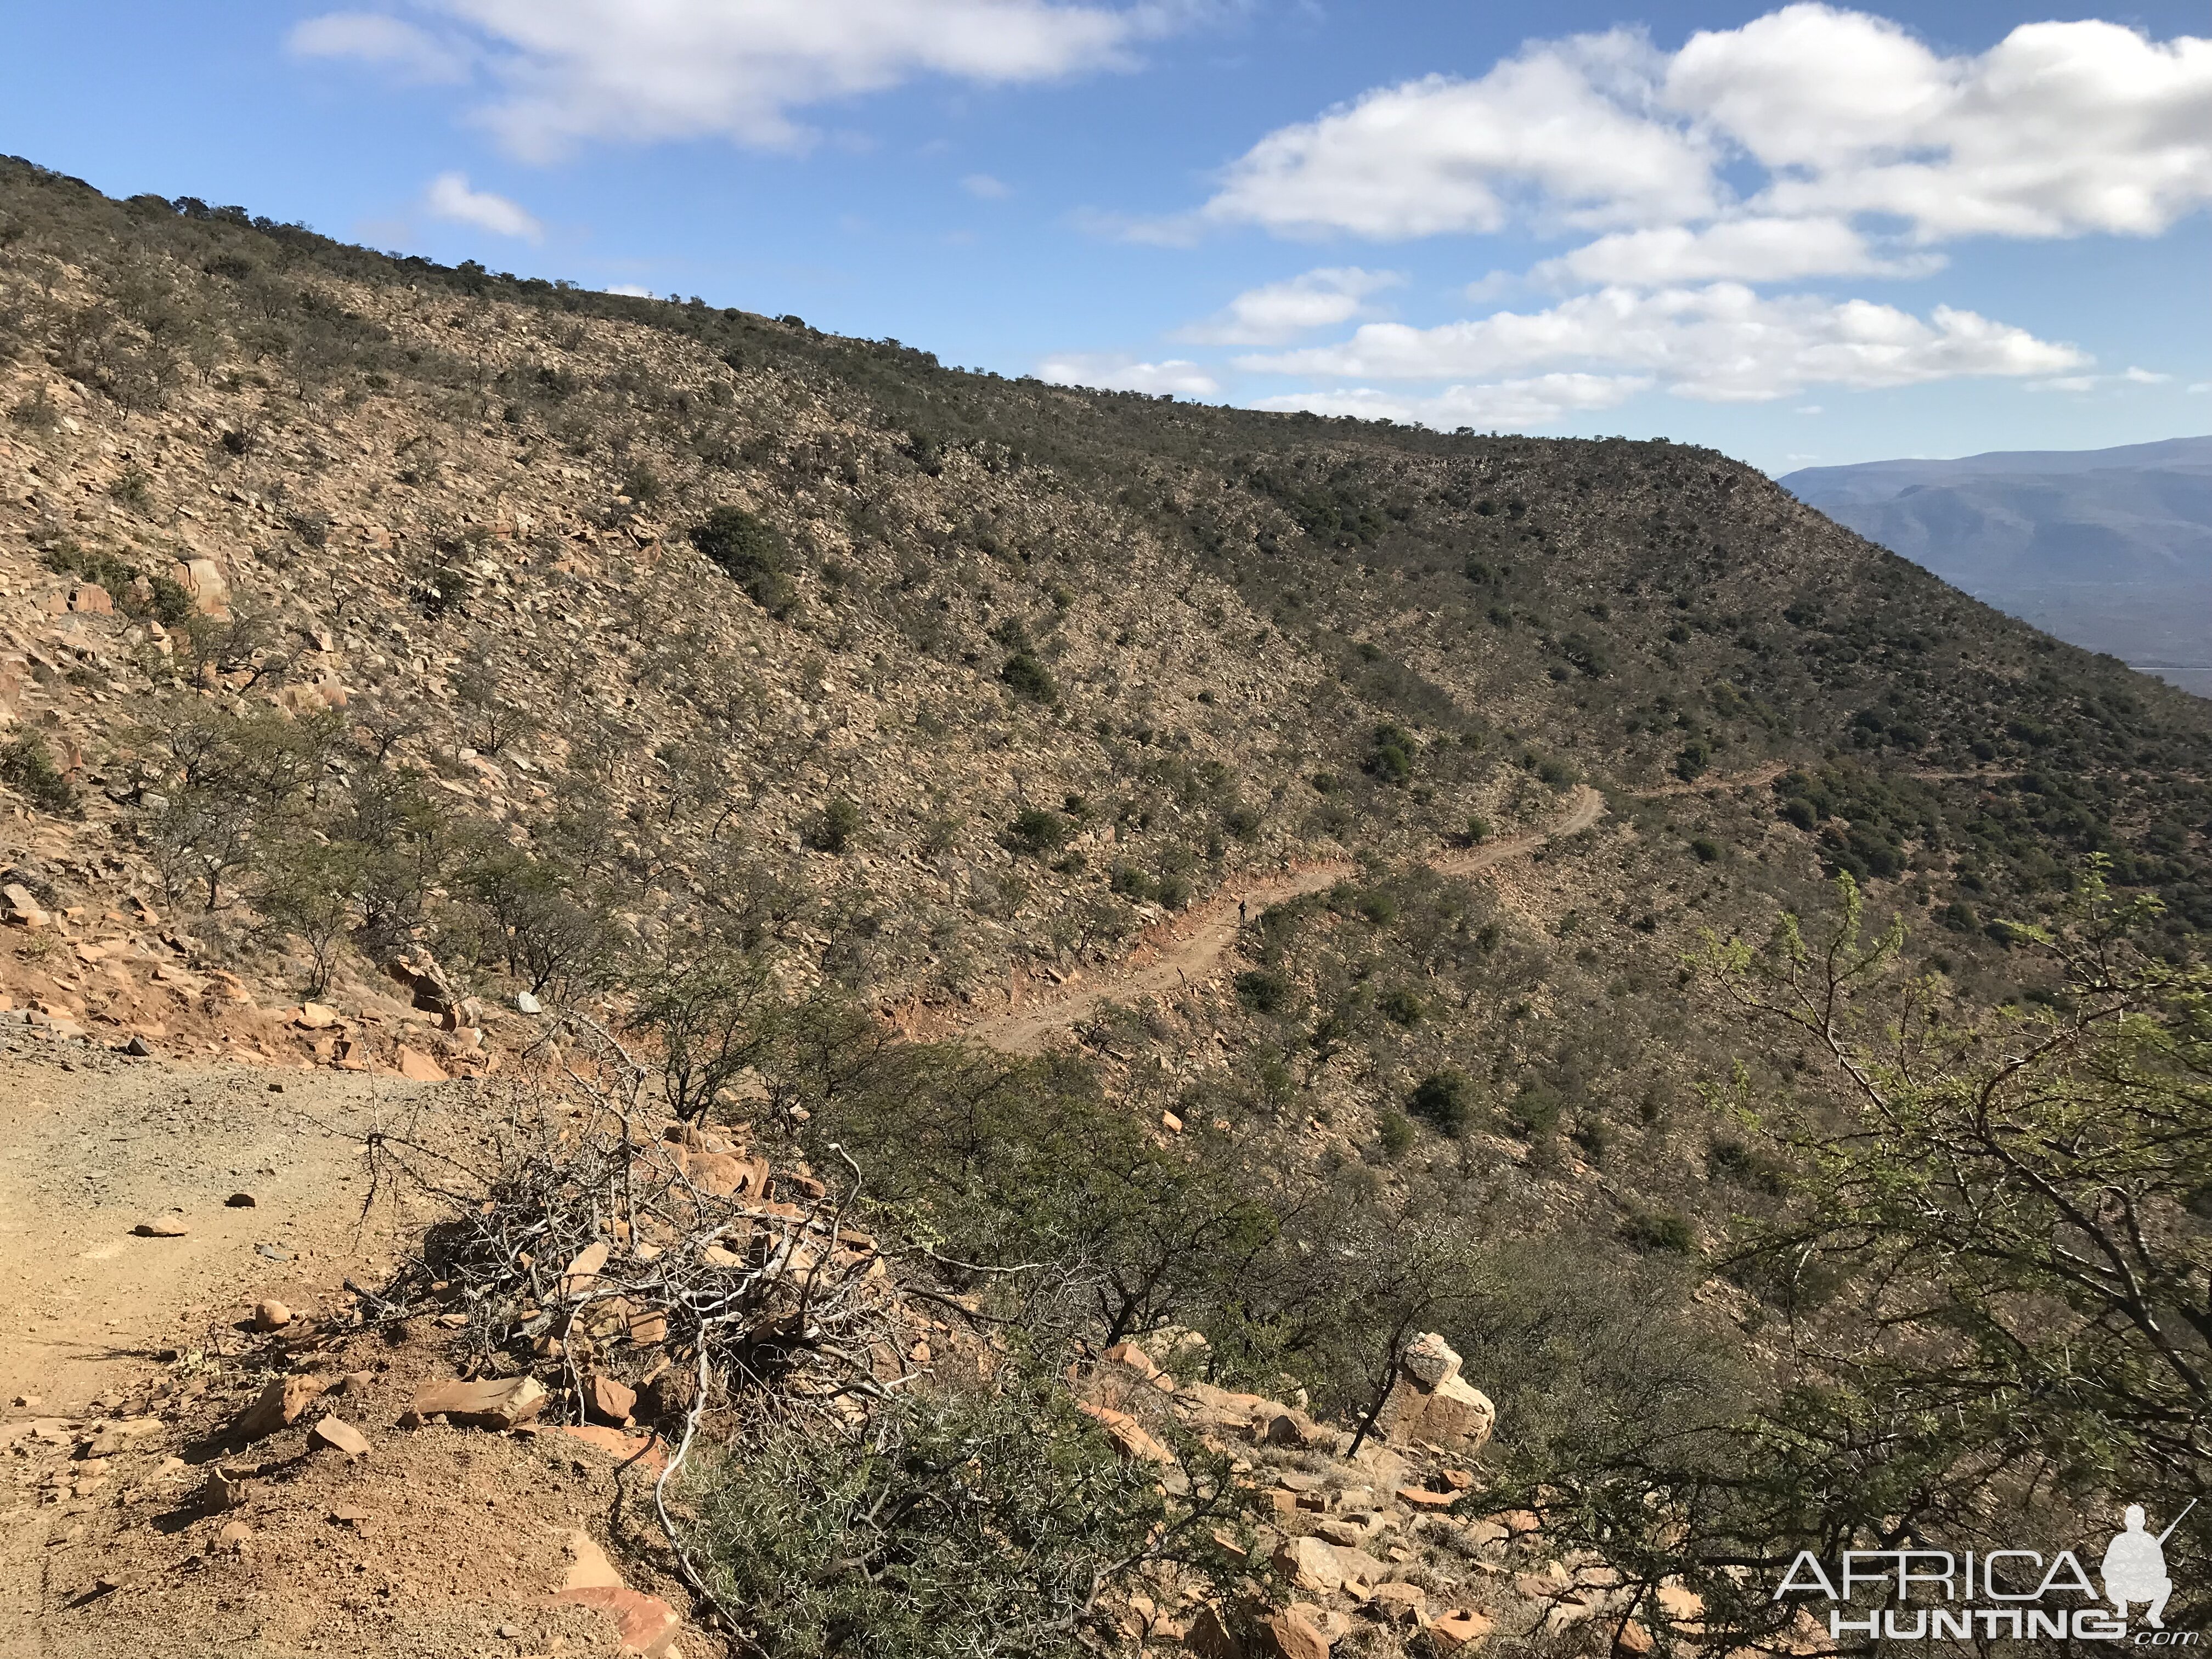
(1927, 1594)
(2135, 1566)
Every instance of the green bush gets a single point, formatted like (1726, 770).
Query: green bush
(1708, 850)
(1264, 991)
(1392, 758)
(1660, 1230)
(974, 1521)
(1038, 832)
(1394, 1133)
(1027, 677)
(752, 553)
(834, 830)
(1401, 1006)
(27, 766)
(1445, 1101)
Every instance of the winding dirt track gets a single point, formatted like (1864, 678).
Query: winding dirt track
(1200, 944)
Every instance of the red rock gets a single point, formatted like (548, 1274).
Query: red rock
(420, 1067)
(1287, 1634)
(1420, 1498)
(339, 1436)
(1633, 1638)
(91, 598)
(269, 1315)
(645, 1623)
(622, 1447)
(1399, 1603)
(1459, 1632)
(493, 1403)
(609, 1401)
(165, 1226)
(281, 1403)
(1128, 1435)
(1129, 1354)
(724, 1175)
(577, 1278)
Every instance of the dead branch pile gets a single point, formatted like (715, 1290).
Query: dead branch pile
(608, 1247)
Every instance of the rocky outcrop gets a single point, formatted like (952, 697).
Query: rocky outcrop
(1431, 1403)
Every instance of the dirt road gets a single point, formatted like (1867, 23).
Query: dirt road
(1202, 944)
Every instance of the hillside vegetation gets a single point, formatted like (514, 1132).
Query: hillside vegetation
(791, 703)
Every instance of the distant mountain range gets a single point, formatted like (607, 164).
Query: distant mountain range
(2110, 549)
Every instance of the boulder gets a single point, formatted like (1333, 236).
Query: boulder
(493, 1403)
(1287, 1634)
(1397, 1603)
(1460, 1631)
(163, 1226)
(1128, 1435)
(23, 908)
(1431, 1402)
(1310, 1565)
(282, 1401)
(419, 1067)
(271, 1315)
(203, 579)
(90, 599)
(1292, 1427)
(1431, 1361)
(609, 1401)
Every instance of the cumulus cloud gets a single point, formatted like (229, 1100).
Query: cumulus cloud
(1757, 250)
(629, 290)
(1542, 400)
(1554, 132)
(1752, 153)
(449, 197)
(1282, 311)
(1177, 375)
(569, 70)
(984, 185)
(1721, 342)
(388, 43)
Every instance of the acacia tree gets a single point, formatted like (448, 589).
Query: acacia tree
(1997, 1263)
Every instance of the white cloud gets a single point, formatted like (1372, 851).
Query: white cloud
(1723, 342)
(1753, 152)
(2057, 129)
(1543, 133)
(449, 198)
(1177, 375)
(388, 43)
(2130, 376)
(1281, 310)
(1759, 250)
(984, 185)
(629, 290)
(1540, 401)
(569, 70)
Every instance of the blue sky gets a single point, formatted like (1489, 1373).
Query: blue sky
(1802, 234)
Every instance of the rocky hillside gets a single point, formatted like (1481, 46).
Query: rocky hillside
(1186, 869)
(358, 609)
